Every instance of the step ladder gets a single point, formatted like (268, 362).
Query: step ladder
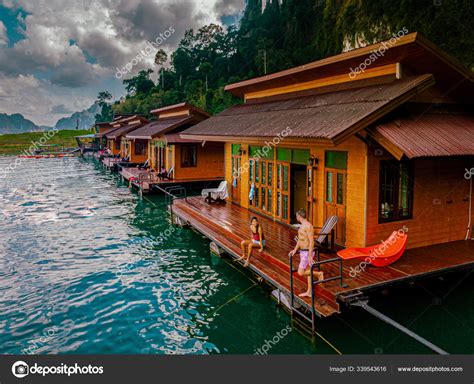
(316, 265)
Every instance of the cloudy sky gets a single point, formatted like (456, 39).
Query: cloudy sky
(56, 55)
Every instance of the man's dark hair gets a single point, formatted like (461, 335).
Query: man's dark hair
(301, 212)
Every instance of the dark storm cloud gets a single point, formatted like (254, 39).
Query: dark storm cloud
(60, 109)
(229, 7)
(139, 21)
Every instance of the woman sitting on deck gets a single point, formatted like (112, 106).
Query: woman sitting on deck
(257, 241)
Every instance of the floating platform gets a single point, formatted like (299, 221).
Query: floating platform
(111, 162)
(147, 181)
(228, 224)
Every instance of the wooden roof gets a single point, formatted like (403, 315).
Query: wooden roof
(184, 106)
(175, 121)
(121, 131)
(159, 127)
(416, 54)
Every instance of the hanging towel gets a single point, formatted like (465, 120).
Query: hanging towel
(252, 192)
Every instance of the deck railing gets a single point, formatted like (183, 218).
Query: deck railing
(316, 265)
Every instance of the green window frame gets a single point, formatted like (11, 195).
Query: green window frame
(335, 159)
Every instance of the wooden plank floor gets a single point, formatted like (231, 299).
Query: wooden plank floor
(130, 172)
(154, 180)
(228, 225)
(109, 162)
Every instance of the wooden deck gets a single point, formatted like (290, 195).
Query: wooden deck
(147, 180)
(110, 162)
(227, 225)
(132, 172)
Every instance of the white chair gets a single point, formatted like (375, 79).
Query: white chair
(216, 194)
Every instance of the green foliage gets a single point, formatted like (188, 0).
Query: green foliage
(107, 112)
(286, 35)
(16, 143)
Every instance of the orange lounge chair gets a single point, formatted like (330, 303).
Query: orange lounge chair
(380, 255)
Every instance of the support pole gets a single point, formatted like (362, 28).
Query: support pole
(393, 323)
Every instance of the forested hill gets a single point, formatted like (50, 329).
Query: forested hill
(289, 33)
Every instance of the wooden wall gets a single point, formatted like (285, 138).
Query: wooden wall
(111, 146)
(356, 186)
(440, 205)
(356, 189)
(228, 167)
(210, 162)
(134, 158)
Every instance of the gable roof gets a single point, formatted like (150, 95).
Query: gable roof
(168, 124)
(159, 127)
(180, 107)
(416, 54)
(329, 116)
(120, 131)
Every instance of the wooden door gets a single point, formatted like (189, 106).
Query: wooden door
(236, 178)
(283, 187)
(335, 200)
(261, 175)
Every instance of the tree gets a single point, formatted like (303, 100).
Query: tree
(205, 69)
(286, 34)
(107, 112)
(161, 57)
(140, 84)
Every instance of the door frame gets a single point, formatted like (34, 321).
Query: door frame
(340, 229)
(279, 191)
(311, 192)
(236, 163)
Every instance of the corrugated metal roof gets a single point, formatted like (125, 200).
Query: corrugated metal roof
(158, 127)
(116, 133)
(431, 134)
(324, 115)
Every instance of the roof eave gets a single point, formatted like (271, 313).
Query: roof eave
(238, 89)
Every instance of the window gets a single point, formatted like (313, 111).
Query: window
(396, 191)
(117, 145)
(335, 159)
(188, 156)
(140, 147)
(329, 186)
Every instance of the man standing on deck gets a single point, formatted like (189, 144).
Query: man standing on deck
(305, 245)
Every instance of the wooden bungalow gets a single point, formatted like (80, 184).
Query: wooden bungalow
(121, 126)
(160, 143)
(381, 136)
(381, 149)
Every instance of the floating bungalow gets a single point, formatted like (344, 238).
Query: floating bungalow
(119, 148)
(382, 137)
(160, 146)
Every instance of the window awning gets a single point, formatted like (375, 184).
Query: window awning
(427, 135)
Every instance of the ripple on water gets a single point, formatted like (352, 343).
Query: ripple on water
(78, 254)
